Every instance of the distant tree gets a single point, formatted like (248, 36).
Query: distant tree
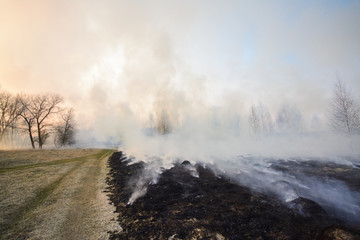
(254, 120)
(10, 110)
(235, 124)
(315, 124)
(344, 111)
(163, 123)
(260, 119)
(150, 127)
(266, 121)
(289, 119)
(37, 112)
(65, 130)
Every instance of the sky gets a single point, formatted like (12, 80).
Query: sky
(117, 62)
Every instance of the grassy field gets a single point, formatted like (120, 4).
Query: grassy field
(55, 194)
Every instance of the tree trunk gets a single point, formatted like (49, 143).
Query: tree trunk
(39, 136)
(31, 138)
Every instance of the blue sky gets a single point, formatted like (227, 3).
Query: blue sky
(314, 40)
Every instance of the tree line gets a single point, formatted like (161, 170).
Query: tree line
(38, 116)
(343, 115)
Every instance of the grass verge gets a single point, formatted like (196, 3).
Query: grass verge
(61, 161)
(20, 214)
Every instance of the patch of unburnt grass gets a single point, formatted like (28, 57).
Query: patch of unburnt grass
(17, 222)
(55, 162)
(23, 211)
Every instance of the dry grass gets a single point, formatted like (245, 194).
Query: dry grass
(13, 159)
(58, 194)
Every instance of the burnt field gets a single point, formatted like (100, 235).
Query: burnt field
(195, 201)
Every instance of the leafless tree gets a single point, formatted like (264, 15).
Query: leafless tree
(65, 130)
(260, 120)
(37, 112)
(28, 118)
(254, 120)
(10, 109)
(163, 123)
(343, 110)
(266, 122)
(150, 125)
(289, 119)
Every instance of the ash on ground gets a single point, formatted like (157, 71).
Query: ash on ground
(182, 205)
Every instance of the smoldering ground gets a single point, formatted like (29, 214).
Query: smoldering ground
(181, 127)
(188, 201)
(323, 168)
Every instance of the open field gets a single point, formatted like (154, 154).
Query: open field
(55, 194)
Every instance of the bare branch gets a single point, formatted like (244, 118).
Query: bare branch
(65, 130)
(344, 111)
(254, 120)
(10, 110)
(163, 123)
(37, 110)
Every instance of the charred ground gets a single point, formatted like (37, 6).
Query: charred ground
(182, 206)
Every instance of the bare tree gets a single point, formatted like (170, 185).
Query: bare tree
(28, 118)
(289, 119)
(10, 109)
(260, 119)
(266, 122)
(150, 125)
(65, 131)
(163, 123)
(254, 120)
(343, 109)
(37, 111)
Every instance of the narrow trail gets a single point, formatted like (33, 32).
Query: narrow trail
(73, 206)
(91, 213)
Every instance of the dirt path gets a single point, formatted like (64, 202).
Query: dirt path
(72, 206)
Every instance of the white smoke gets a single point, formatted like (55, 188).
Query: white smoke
(248, 160)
